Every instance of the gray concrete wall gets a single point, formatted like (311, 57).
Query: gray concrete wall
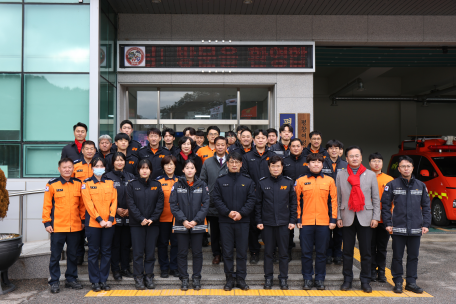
(325, 30)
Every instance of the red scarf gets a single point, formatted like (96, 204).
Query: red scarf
(78, 145)
(185, 157)
(356, 201)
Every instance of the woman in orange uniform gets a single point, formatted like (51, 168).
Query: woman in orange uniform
(165, 236)
(100, 200)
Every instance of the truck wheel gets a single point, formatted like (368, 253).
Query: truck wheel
(438, 214)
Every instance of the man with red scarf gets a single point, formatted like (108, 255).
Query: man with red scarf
(359, 211)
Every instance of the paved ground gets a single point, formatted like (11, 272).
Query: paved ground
(437, 275)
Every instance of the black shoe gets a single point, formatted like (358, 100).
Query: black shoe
(164, 274)
(366, 287)
(254, 258)
(413, 288)
(329, 260)
(338, 260)
(241, 284)
(73, 285)
(229, 283)
(397, 288)
(373, 275)
(117, 276)
(275, 257)
(174, 273)
(196, 283)
(139, 283)
(319, 284)
(96, 287)
(126, 273)
(55, 288)
(346, 286)
(149, 281)
(381, 276)
(268, 284)
(283, 284)
(105, 286)
(79, 260)
(184, 285)
(308, 284)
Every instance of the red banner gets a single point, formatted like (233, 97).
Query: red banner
(250, 112)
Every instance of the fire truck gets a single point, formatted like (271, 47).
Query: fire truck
(434, 159)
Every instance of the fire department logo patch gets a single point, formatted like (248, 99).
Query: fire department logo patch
(46, 189)
(135, 56)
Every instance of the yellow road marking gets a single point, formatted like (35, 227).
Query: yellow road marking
(348, 293)
(446, 230)
(271, 293)
(251, 292)
(295, 293)
(148, 293)
(320, 293)
(123, 293)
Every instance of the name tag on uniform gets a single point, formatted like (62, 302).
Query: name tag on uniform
(118, 220)
(326, 171)
(116, 184)
(58, 190)
(307, 183)
(137, 189)
(93, 187)
(287, 165)
(80, 170)
(226, 185)
(181, 190)
(399, 192)
(267, 188)
(253, 159)
(416, 192)
(199, 190)
(164, 184)
(278, 152)
(127, 221)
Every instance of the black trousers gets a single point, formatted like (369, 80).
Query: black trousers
(58, 240)
(100, 241)
(231, 233)
(166, 236)
(273, 235)
(81, 250)
(195, 240)
(413, 251)
(335, 243)
(121, 244)
(144, 240)
(364, 235)
(319, 236)
(380, 238)
(254, 232)
(215, 235)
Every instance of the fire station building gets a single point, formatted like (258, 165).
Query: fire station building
(369, 73)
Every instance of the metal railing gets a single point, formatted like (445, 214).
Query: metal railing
(21, 204)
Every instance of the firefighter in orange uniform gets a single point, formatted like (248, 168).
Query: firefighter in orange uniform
(100, 200)
(166, 235)
(82, 171)
(63, 218)
(317, 215)
(209, 150)
(380, 236)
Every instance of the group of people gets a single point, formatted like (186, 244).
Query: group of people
(248, 184)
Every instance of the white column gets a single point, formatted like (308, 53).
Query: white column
(94, 90)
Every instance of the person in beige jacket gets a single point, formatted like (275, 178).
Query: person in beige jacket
(359, 211)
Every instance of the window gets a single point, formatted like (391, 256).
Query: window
(254, 103)
(107, 108)
(43, 52)
(142, 102)
(10, 115)
(42, 160)
(10, 37)
(425, 164)
(9, 160)
(447, 165)
(52, 105)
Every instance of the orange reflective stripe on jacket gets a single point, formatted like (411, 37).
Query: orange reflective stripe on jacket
(167, 184)
(82, 170)
(63, 207)
(100, 200)
(382, 180)
(313, 204)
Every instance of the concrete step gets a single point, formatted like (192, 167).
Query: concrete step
(294, 267)
(294, 280)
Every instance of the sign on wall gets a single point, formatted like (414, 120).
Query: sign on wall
(219, 57)
(303, 129)
(289, 118)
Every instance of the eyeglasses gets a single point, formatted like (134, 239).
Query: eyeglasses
(406, 167)
(234, 162)
(376, 161)
(354, 156)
